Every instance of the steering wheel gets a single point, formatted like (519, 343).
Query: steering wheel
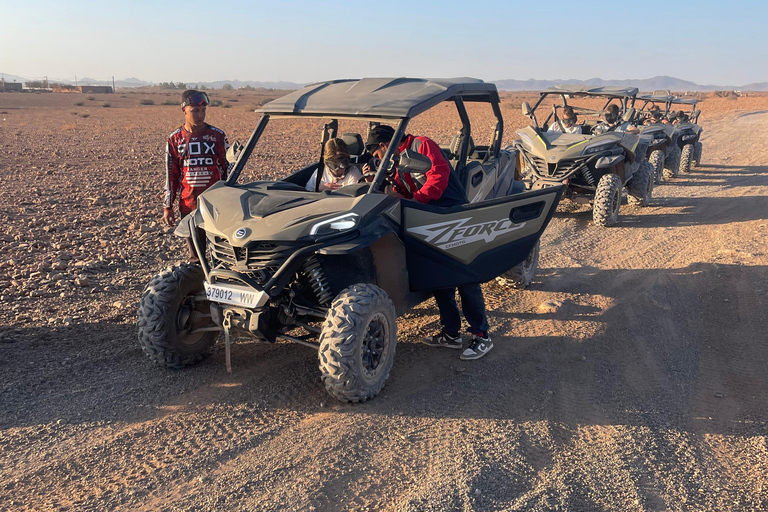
(365, 177)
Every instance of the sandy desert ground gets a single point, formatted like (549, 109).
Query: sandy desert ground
(646, 390)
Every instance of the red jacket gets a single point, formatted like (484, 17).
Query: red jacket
(193, 162)
(436, 178)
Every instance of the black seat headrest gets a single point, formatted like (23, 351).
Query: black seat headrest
(355, 143)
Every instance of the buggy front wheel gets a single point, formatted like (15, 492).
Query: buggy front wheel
(357, 343)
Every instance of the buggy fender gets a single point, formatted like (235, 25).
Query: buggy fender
(184, 228)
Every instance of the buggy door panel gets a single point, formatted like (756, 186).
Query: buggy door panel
(473, 243)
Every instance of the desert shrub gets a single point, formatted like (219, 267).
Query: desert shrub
(169, 102)
(147, 102)
(216, 103)
(234, 100)
(106, 105)
(85, 115)
(227, 106)
(227, 87)
(91, 98)
(79, 103)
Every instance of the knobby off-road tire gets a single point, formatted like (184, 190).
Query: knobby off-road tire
(520, 276)
(166, 310)
(657, 162)
(686, 158)
(605, 207)
(672, 163)
(640, 186)
(357, 343)
(697, 154)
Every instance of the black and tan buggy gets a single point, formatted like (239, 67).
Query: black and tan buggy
(594, 164)
(333, 270)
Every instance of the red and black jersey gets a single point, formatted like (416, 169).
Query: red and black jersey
(439, 186)
(193, 162)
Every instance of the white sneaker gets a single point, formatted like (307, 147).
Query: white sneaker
(478, 347)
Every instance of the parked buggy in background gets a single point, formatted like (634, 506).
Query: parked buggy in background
(663, 151)
(687, 132)
(332, 270)
(594, 165)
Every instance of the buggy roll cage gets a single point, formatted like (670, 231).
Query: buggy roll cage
(395, 100)
(624, 95)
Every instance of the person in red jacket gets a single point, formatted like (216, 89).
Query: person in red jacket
(439, 186)
(195, 159)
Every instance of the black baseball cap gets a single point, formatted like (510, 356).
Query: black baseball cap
(379, 134)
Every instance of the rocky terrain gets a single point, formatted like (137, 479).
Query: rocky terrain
(631, 376)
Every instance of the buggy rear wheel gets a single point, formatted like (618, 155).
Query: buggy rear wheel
(657, 162)
(640, 186)
(170, 311)
(605, 208)
(357, 343)
(686, 158)
(672, 163)
(697, 154)
(520, 276)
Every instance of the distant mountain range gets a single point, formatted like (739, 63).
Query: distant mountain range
(645, 85)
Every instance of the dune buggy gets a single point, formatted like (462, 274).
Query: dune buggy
(687, 132)
(332, 270)
(663, 151)
(595, 164)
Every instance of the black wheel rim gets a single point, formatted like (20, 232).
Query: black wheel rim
(374, 343)
(188, 319)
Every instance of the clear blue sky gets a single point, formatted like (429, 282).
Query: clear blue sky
(707, 42)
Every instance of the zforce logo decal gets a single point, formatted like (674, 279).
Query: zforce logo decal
(446, 235)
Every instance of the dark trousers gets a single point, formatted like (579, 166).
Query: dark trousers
(472, 304)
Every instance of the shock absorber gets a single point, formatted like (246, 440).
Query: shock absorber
(588, 175)
(317, 280)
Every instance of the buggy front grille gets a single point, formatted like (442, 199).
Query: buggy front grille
(258, 260)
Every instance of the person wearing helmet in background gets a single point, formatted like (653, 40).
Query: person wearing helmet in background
(195, 159)
(613, 123)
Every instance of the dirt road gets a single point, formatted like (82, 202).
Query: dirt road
(646, 390)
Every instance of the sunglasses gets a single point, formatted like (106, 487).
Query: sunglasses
(198, 99)
(336, 163)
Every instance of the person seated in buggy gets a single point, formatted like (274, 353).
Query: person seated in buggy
(338, 170)
(569, 122)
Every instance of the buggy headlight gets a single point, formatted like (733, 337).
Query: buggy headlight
(597, 148)
(336, 224)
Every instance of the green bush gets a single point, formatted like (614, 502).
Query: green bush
(216, 103)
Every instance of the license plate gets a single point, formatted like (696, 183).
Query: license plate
(235, 295)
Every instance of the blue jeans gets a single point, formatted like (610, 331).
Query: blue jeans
(472, 304)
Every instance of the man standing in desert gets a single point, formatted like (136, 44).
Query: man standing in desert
(195, 159)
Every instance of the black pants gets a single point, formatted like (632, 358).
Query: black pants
(472, 304)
